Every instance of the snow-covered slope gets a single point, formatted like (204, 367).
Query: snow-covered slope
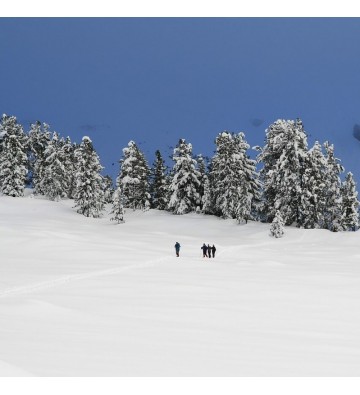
(86, 297)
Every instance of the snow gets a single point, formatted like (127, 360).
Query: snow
(86, 297)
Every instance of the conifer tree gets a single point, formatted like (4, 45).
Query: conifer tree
(277, 226)
(350, 204)
(159, 185)
(184, 195)
(283, 159)
(89, 195)
(13, 158)
(134, 178)
(224, 177)
(204, 187)
(235, 187)
(38, 140)
(249, 196)
(108, 189)
(55, 179)
(206, 198)
(10, 126)
(73, 164)
(67, 153)
(117, 207)
(313, 201)
(333, 197)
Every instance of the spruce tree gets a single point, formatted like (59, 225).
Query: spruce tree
(158, 184)
(184, 195)
(67, 152)
(277, 226)
(204, 187)
(233, 178)
(13, 166)
(313, 198)
(206, 198)
(333, 197)
(13, 158)
(283, 158)
(350, 204)
(108, 189)
(55, 180)
(38, 140)
(117, 207)
(134, 178)
(249, 193)
(224, 177)
(89, 195)
(72, 165)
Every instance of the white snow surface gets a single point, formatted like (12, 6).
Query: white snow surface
(87, 297)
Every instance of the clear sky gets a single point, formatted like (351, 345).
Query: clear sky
(155, 80)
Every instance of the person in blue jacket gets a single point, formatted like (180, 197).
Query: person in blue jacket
(177, 249)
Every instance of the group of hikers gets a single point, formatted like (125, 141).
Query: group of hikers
(208, 251)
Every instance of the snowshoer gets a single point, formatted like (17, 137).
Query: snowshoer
(177, 248)
(213, 249)
(209, 250)
(204, 248)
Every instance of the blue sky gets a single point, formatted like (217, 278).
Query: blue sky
(155, 80)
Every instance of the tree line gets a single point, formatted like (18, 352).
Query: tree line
(288, 182)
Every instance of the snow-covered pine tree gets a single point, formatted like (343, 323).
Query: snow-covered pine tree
(13, 166)
(89, 195)
(72, 158)
(13, 158)
(350, 204)
(158, 184)
(224, 177)
(67, 152)
(249, 196)
(117, 210)
(206, 203)
(333, 198)
(312, 205)
(38, 140)
(283, 158)
(55, 180)
(108, 189)
(134, 178)
(233, 178)
(8, 126)
(184, 196)
(204, 183)
(277, 226)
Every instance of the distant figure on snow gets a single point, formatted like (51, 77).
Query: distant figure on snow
(213, 249)
(177, 248)
(204, 248)
(209, 250)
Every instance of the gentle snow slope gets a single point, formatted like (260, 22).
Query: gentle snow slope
(86, 297)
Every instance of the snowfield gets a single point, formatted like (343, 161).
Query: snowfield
(86, 297)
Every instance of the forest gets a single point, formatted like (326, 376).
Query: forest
(287, 184)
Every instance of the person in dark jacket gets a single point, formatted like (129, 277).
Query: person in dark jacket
(177, 249)
(204, 248)
(209, 250)
(213, 249)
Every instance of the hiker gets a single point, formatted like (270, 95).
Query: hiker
(209, 250)
(204, 248)
(213, 249)
(177, 248)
